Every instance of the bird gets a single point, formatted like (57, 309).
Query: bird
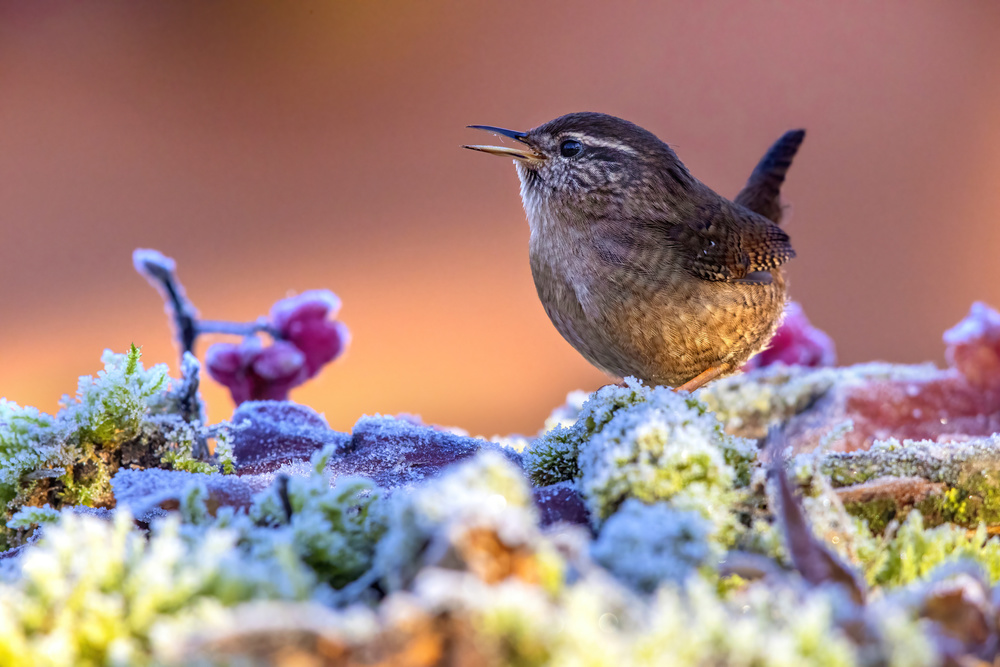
(642, 268)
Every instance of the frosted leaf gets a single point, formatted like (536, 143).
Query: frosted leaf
(147, 492)
(396, 452)
(267, 435)
(560, 502)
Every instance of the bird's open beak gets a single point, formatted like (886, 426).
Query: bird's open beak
(529, 154)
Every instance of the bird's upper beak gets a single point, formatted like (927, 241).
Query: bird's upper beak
(529, 155)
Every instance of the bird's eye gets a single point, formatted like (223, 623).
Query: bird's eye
(570, 148)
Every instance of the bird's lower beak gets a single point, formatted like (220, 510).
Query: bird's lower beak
(529, 154)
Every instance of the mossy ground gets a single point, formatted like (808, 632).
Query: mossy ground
(461, 560)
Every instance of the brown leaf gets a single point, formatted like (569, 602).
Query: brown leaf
(813, 560)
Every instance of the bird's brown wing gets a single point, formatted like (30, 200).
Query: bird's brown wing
(726, 243)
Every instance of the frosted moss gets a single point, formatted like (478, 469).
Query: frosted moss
(92, 592)
(969, 469)
(28, 442)
(428, 525)
(556, 455)
(334, 530)
(553, 457)
(748, 404)
(912, 552)
(125, 416)
(646, 545)
(665, 448)
(594, 622)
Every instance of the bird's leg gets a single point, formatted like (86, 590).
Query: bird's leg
(702, 378)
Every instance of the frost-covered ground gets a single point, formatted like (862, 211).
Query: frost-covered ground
(787, 516)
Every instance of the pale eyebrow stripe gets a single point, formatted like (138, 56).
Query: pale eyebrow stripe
(588, 140)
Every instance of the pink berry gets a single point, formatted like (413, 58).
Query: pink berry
(974, 346)
(306, 321)
(253, 372)
(796, 343)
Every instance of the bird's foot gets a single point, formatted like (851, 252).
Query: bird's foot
(701, 379)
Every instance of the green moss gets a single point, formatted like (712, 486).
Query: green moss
(224, 451)
(334, 529)
(667, 448)
(876, 514)
(29, 517)
(110, 409)
(913, 551)
(555, 456)
(28, 442)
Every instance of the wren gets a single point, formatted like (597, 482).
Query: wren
(642, 268)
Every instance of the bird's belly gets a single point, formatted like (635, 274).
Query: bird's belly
(672, 337)
(669, 336)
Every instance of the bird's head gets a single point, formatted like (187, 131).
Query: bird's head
(583, 160)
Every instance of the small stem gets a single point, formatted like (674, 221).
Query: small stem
(236, 328)
(187, 327)
(286, 502)
(159, 271)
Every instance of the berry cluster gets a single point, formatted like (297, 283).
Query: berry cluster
(307, 339)
(304, 336)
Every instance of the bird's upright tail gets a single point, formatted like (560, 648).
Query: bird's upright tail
(762, 192)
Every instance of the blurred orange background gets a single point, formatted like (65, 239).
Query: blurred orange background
(272, 147)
